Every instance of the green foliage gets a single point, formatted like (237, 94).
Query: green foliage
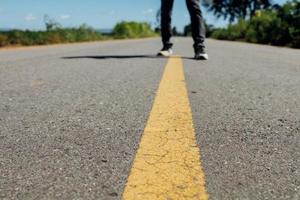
(55, 34)
(15, 37)
(267, 28)
(278, 26)
(220, 34)
(208, 27)
(187, 31)
(236, 9)
(61, 35)
(3, 40)
(232, 32)
(132, 30)
(290, 16)
(175, 32)
(51, 24)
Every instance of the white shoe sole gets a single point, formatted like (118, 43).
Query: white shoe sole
(203, 56)
(165, 53)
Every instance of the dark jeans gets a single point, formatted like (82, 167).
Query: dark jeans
(198, 28)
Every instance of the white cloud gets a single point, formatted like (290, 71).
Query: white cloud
(148, 11)
(65, 16)
(30, 17)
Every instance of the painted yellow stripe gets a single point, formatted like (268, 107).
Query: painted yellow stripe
(167, 165)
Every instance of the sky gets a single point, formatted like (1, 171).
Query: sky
(100, 14)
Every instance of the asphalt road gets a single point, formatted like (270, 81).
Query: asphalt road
(71, 117)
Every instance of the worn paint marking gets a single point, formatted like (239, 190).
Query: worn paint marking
(167, 164)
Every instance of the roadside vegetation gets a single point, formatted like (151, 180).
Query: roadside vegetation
(271, 24)
(125, 30)
(55, 34)
(255, 21)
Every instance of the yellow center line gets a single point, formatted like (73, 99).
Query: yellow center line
(167, 164)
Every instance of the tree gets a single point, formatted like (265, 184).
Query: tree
(157, 28)
(289, 14)
(158, 17)
(278, 25)
(51, 24)
(187, 31)
(174, 31)
(235, 9)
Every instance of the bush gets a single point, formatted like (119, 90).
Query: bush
(290, 15)
(277, 26)
(261, 26)
(220, 34)
(237, 31)
(15, 37)
(209, 28)
(232, 32)
(55, 34)
(59, 35)
(132, 30)
(3, 40)
(54, 37)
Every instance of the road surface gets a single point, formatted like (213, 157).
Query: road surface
(72, 119)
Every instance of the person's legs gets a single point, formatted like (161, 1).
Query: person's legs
(198, 27)
(166, 26)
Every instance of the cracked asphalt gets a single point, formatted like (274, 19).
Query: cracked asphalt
(167, 164)
(72, 116)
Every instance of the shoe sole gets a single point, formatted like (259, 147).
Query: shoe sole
(202, 57)
(164, 55)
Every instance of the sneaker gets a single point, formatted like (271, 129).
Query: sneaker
(201, 55)
(166, 52)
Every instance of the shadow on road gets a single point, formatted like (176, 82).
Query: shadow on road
(101, 57)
